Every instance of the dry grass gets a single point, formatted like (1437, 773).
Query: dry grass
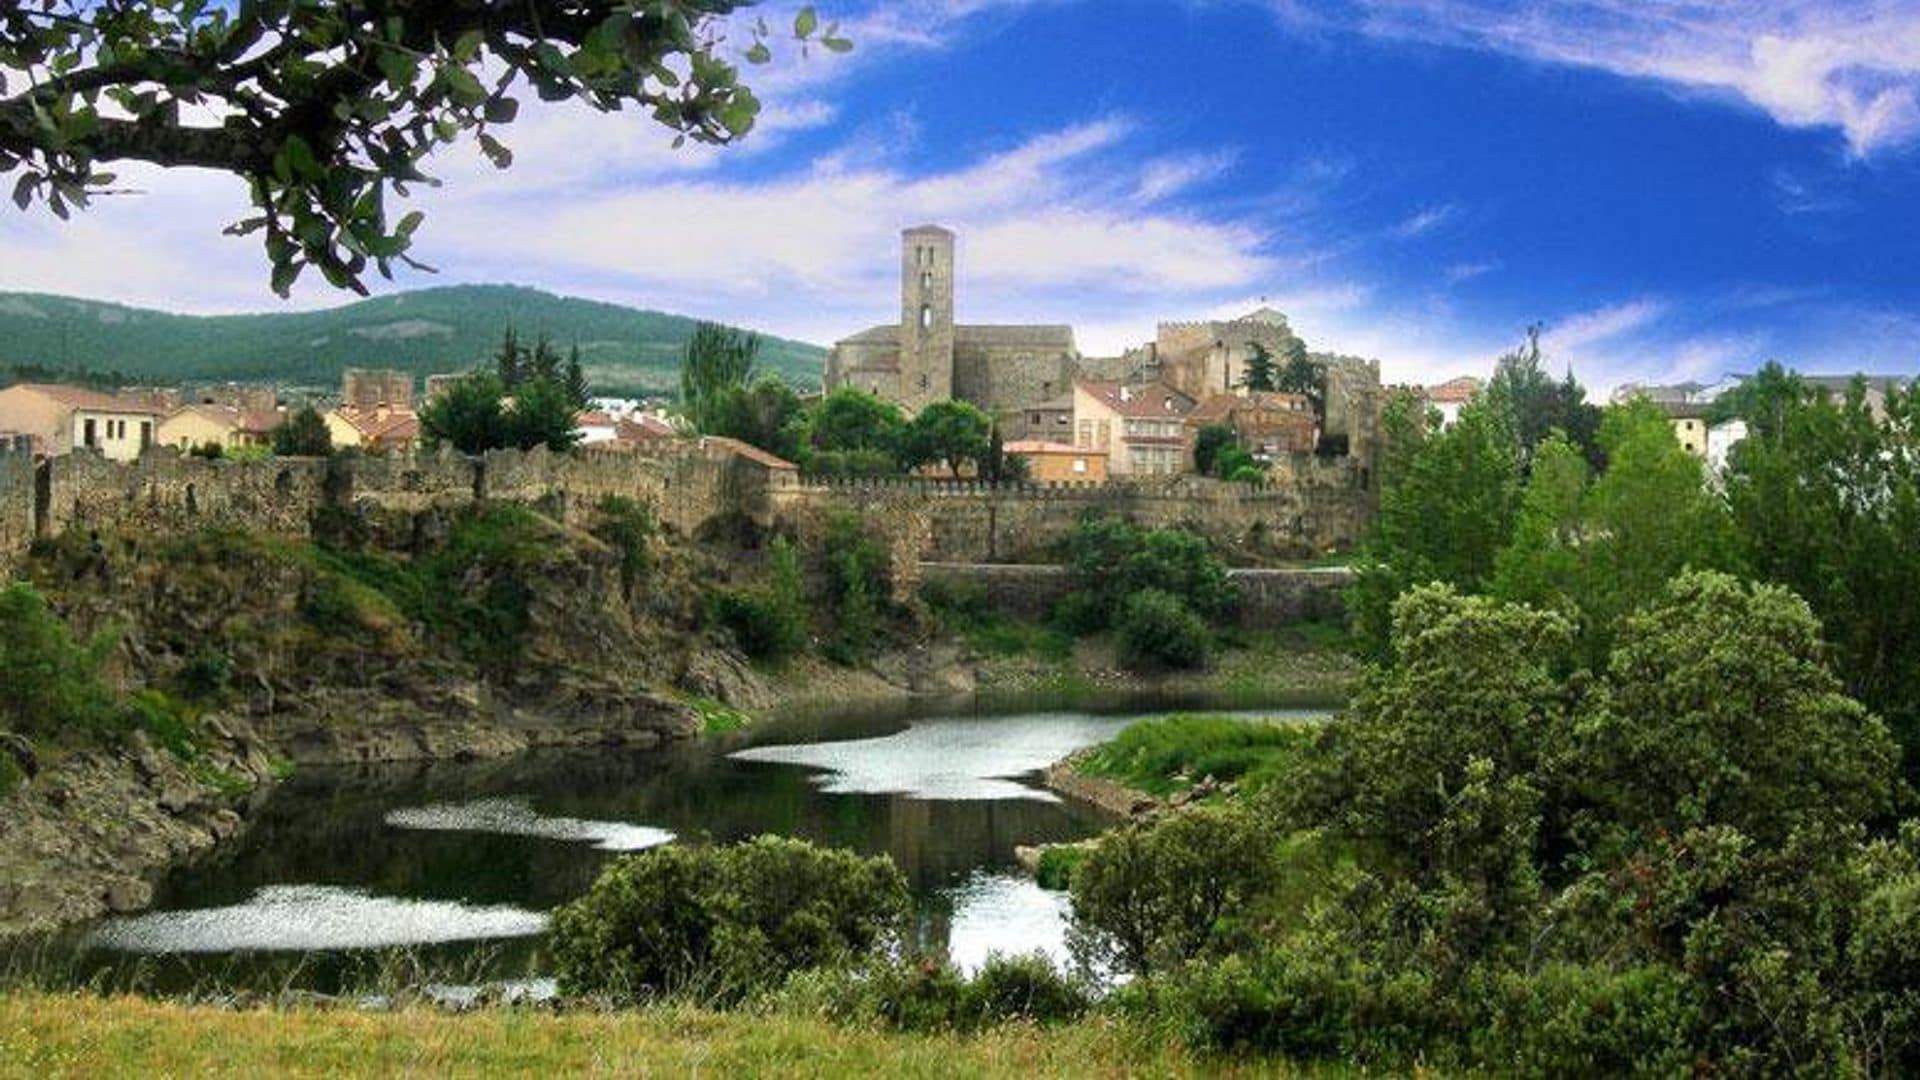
(50, 1035)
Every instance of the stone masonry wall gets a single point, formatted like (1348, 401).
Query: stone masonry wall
(1268, 598)
(1319, 505)
(16, 508)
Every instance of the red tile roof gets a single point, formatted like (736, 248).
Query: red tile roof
(79, 397)
(1454, 391)
(1150, 401)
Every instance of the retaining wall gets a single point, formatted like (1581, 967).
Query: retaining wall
(1268, 598)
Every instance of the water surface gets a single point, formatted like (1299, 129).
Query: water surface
(461, 862)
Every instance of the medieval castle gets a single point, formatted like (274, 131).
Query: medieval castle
(1015, 371)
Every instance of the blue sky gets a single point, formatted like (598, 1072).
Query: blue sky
(1675, 188)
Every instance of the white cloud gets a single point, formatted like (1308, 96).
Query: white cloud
(1425, 221)
(1586, 329)
(1466, 271)
(1852, 65)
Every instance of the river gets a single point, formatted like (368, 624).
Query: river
(443, 873)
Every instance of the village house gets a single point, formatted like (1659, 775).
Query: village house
(226, 426)
(1142, 429)
(376, 412)
(59, 419)
(1267, 424)
(1448, 397)
(1059, 463)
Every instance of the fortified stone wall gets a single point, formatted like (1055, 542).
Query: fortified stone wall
(1268, 598)
(165, 492)
(16, 508)
(1317, 506)
(1321, 505)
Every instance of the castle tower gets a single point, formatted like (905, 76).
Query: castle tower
(926, 316)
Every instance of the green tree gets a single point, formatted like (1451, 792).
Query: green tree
(1721, 711)
(850, 419)
(1262, 372)
(509, 362)
(325, 109)
(469, 415)
(952, 433)
(1301, 375)
(543, 413)
(718, 365)
(1154, 896)
(1447, 508)
(303, 434)
(767, 414)
(720, 923)
(1538, 404)
(575, 380)
(1546, 564)
(1825, 497)
(1208, 442)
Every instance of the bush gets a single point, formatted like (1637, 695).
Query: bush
(50, 684)
(628, 527)
(1156, 630)
(1026, 988)
(721, 923)
(1056, 866)
(858, 583)
(1151, 897)
(1109, 560)
(764, 628)
(923, 994)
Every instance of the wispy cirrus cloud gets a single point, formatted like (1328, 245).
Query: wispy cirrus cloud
(1851, 65)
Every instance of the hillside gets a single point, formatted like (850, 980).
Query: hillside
(427, 331)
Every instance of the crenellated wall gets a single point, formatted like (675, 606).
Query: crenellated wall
(1319, 504)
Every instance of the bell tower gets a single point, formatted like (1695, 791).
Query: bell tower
(926, 316)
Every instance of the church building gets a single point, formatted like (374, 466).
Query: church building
(928, 357)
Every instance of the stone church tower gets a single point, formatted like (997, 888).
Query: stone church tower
(926, 316)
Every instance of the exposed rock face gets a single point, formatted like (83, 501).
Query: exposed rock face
(92, 831)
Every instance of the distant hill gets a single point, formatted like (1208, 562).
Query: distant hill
(625, 350)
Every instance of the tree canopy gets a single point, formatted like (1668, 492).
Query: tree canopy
(326, 110)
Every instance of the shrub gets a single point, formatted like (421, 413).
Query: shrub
(721, 923)
(858, 583)
(764, 628)
(1156, 630)
(50, 684)
(1027, 988)
(1151, 897)
(206, 674)
(1056, 866)
(628, 527)
(1109, 560)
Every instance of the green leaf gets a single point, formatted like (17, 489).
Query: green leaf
(806, 22)
(837, 44)
(409, 223)
(468, 47)
(464, 87)
(759, 54)
(299, 158)
(23, 191)
(501, 110)
(284, 275)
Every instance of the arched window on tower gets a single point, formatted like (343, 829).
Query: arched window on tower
(926, 279)
(926, 317)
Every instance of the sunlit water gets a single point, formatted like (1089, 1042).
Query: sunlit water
(463, 861)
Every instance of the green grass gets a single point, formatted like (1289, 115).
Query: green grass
(45, 1035)
(1170, 754)
(717, 718)
(1009, 637)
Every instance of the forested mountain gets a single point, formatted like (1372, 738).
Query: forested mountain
(428, 331)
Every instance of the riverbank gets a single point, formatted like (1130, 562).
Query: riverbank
(81, 1035)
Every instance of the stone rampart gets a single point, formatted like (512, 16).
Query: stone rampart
(1323, 505)
(1268, 598)
(1318, 505)
(16, 508)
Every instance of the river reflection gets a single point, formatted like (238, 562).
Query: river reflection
(464, 859)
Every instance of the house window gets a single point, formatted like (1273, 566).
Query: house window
(923, 381)
(89, 437)
(1079, 464)
(146, 434)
